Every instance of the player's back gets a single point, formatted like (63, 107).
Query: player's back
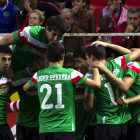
(109, 112)
(55, 89)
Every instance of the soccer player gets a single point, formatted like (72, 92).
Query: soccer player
(27, 121)
(5, 61)
(81, 115)
(90, 100)
(55, 89)
(32, 40)
(133, 100)
(111, 117)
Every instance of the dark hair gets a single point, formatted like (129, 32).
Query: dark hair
(109, 52)
(37, 64)
(68, 58)
(54, 51)
(56, 23)
(80, 52)
(67, 11)
(134, 10)
(5, 49)
(97, 51)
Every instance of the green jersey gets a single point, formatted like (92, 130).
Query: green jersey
(30, 42)
(81, 115)
(55, 89)
(132, 69)
(108, 110)
(4, 95)
(93, 114)
(29, 107)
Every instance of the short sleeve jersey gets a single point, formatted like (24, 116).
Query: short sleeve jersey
(29, 43)
(133, 69)
(93, 114)
(81, 115)
(29, 108)
(56, 94)
(108, 110)
(4, 94)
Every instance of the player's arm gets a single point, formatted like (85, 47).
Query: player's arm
(95, 82)
(135, 54)
(27, 87)
(7, 40)
(88, 100)
(31, 84)
(132, 100)
(117, 48)
(121, 85)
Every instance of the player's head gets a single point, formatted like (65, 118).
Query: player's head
(69, 61)
(55, 52)
(80, 60)
(5, 58)
(95, 53)
(54, 29)
(36, 18)
(68, 15)
(2, 2)
(38, 63)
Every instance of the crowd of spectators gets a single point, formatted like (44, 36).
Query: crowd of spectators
(113, 18)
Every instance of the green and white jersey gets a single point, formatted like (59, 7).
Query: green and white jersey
(93, 114)
(108, 110)
(81, 115)
(57, 99)
(30, 42)
(4, 95)
(133, 69)
(29, 108)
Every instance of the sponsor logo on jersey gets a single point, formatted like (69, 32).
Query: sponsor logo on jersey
(103, 77)
(37, 53)
(31, 93)
(54, 77)
(4, 90)
(116, 71)
(78, 97)
(22, 33)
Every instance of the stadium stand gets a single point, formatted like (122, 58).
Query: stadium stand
(132, 3)
(96, 6)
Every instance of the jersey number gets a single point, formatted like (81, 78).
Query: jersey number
(59, 104)
(111, 94)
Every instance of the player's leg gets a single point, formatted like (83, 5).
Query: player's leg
(90, 132)
(63, 136)
(21, 135)
(134, 132)
(32, 133)
(5, 132)
(123, 132)
(107, 132)
(46, 136)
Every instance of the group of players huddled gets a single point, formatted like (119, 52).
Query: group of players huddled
(92, 95)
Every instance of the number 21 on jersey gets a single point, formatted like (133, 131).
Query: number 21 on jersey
(59, 104)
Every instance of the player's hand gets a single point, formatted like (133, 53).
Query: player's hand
(9, 73)
(99, 65)
(104, 44)
(27, 5)
(122, 101)
(75, 9)
(112, 7)
(129, 29)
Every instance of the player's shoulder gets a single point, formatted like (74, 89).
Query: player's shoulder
(5, 81)
(133, 66)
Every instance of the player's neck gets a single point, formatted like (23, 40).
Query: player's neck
(60, 63)
(103, 61)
